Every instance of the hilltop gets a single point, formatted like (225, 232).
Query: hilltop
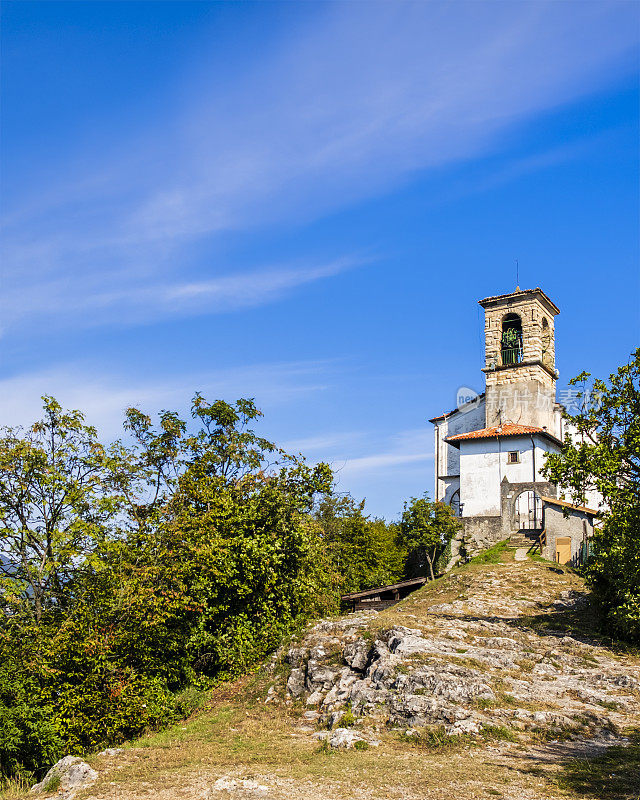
(489, 682)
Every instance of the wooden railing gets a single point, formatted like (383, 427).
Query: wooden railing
(542, 540)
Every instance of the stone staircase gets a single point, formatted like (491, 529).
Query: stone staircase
(529, 540)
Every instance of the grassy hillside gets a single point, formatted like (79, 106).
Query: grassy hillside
(252, 741)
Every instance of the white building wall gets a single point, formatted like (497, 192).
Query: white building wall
(479, 478)
(447, 467)
(483, 465)
(558, 422)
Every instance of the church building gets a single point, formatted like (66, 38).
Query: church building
(490, 449)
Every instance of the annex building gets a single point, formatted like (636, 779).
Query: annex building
(489, 451)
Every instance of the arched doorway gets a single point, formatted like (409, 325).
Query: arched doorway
(529, 511)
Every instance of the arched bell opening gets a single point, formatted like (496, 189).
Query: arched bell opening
(511, 344)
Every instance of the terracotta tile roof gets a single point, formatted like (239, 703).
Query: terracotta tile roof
(508, 429)
(565, 504)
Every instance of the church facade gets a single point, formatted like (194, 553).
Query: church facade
(490, 449)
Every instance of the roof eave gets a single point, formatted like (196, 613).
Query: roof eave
(498, 298)
(453, 411)
(389, 588)
(543, 434)
(554, 501)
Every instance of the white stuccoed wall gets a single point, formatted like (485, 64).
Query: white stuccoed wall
(448, 465)
(483, 465)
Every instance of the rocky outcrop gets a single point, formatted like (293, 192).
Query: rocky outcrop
(387, 673)
(465, 668)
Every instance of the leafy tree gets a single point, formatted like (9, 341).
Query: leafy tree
(29, 730)
(426, 530)
(165, 460)
(220, 559)
(261, 574)
(604, 454)
(169, 561)
(365, 552)
(162, 563)
(56, 502)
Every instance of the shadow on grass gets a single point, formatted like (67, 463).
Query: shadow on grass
(583, 622)
(581, 625)
(614, 775)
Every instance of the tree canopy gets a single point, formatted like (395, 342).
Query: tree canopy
(604, 454)
(138, 573)
(426, 530)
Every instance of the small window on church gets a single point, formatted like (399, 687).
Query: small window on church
(513, 457)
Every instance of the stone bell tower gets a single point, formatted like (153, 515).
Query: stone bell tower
(519, 365)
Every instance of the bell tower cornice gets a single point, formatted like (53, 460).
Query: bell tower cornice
(517, 296)
(536, 362)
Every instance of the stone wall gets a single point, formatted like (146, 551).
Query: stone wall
(523, 402)
(510, 493)
(481, 532)
(577, 526)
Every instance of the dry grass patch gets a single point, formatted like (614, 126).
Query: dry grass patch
(248, 740)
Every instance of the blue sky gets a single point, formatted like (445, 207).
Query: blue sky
(302, 202)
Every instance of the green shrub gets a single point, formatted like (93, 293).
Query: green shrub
(361, 745)
(30, 735)
(347, 720)
(52, 784)
(499, 732)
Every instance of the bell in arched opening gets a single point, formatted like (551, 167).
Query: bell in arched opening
(511, 344)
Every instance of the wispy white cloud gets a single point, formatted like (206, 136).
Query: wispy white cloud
(142, 300)
(323, 444)
(355, 100)
(356, 466)
(400, 450)
(103, 397)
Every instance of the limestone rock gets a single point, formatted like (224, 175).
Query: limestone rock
(70, 774)
(470, 665)
(462, 726)
(356, 654)
(344, 738)
(111, 751)
(319, 675)
(296, 656)
(314, 698)
(296, 682)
